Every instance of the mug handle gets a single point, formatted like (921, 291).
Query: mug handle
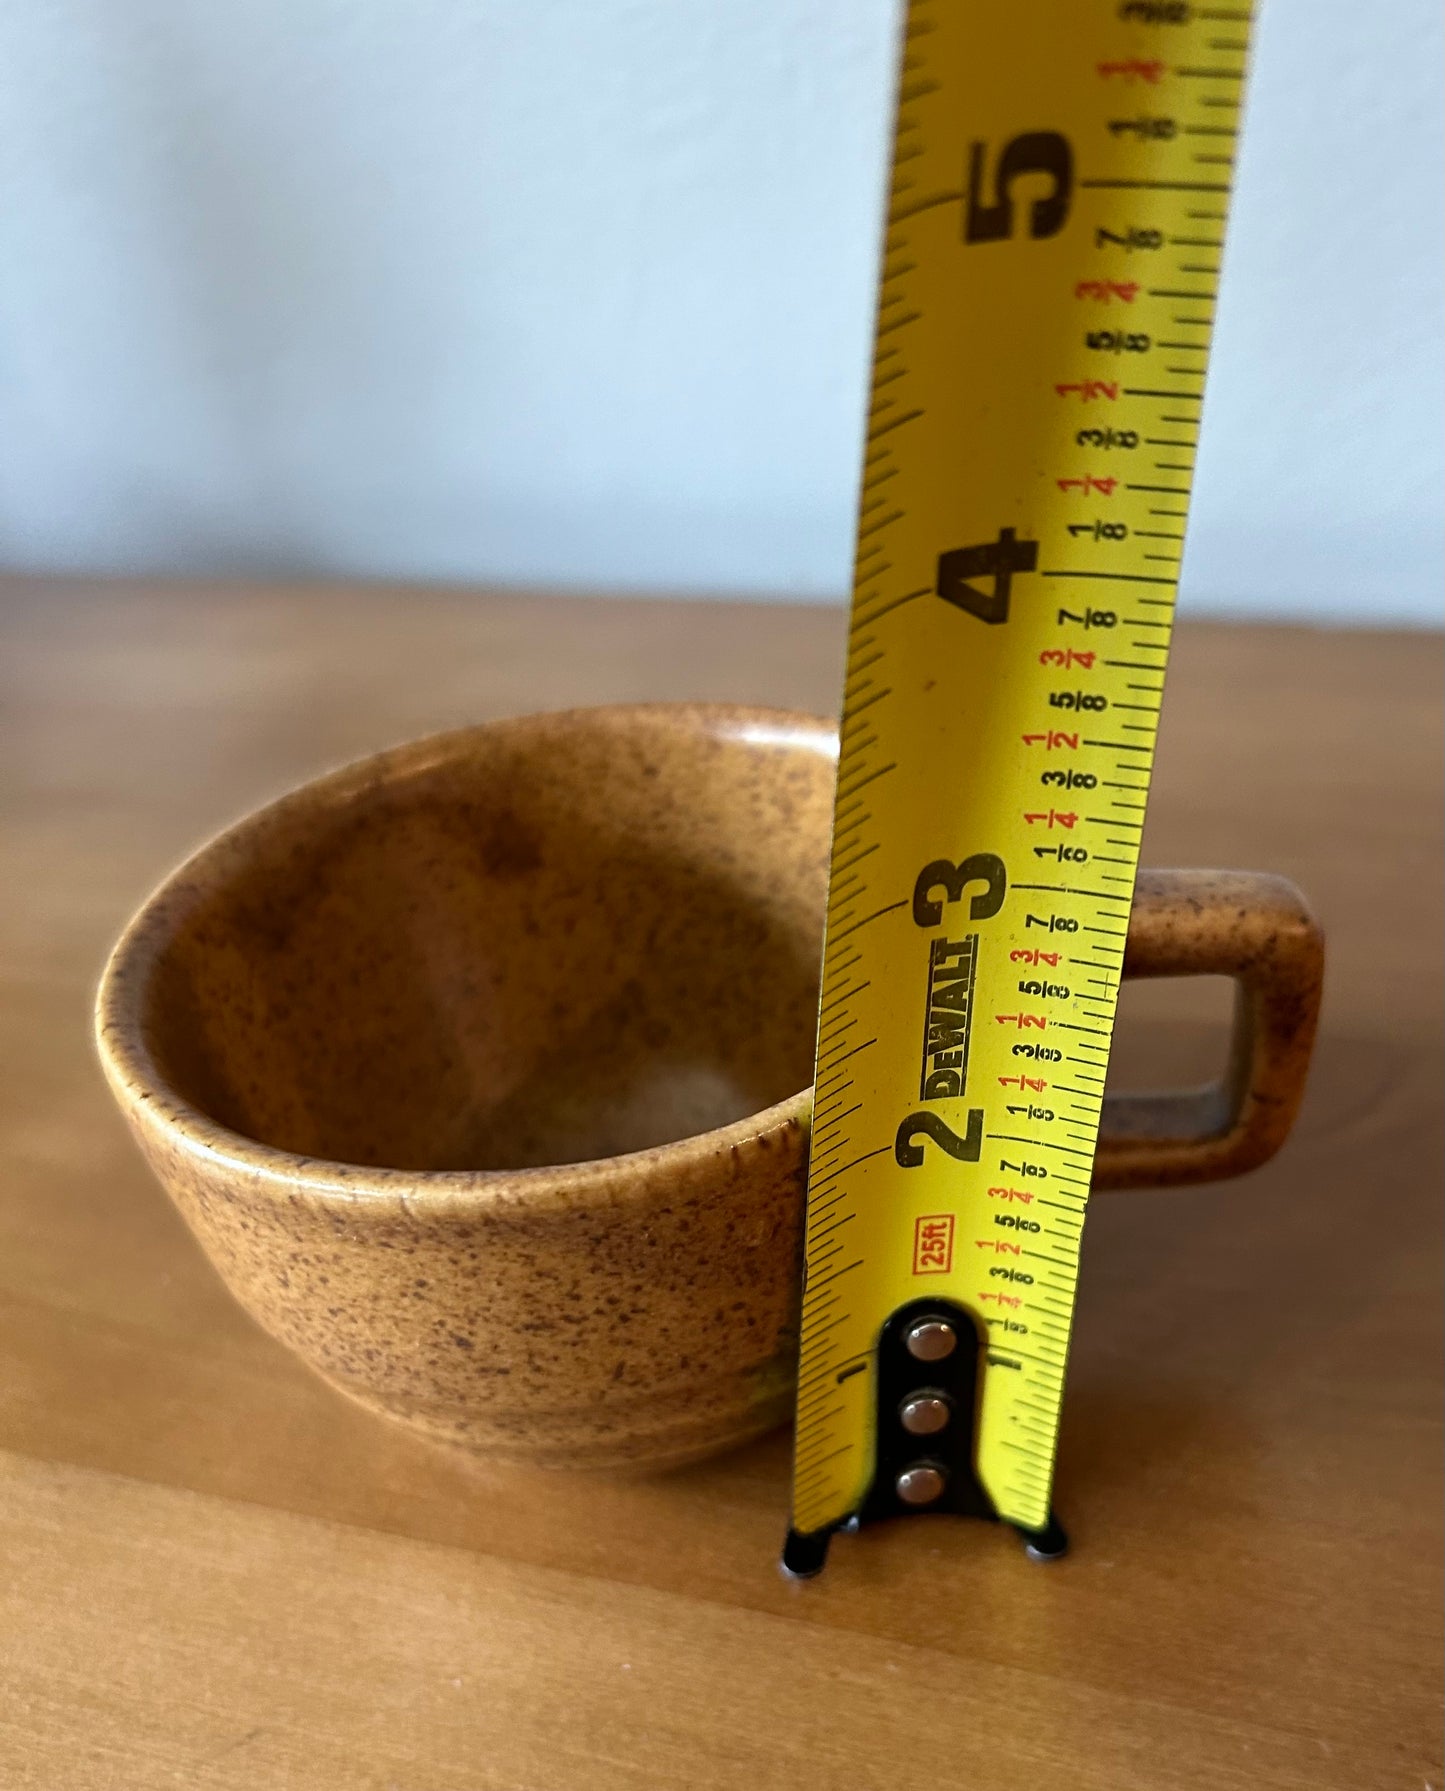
(1259, 930)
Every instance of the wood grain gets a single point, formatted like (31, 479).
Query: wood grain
(219, 1574)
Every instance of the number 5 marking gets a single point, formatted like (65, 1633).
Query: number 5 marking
(1035, 152)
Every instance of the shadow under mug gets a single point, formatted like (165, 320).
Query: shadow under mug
(480, 1069)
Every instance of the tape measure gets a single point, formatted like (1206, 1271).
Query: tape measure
(1061, 177)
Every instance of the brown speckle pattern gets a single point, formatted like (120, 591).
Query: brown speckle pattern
(480, 1069)
(1259, 930)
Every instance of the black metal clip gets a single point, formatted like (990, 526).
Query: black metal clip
(927, 1383)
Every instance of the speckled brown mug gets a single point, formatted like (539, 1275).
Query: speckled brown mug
(480, 1069)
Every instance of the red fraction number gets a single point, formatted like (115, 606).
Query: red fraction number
(1106, 291)
(1087, 482)
(1088, 389)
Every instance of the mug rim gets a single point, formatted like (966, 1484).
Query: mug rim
(150, 1100)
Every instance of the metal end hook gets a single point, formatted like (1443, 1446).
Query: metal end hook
(804, 1557)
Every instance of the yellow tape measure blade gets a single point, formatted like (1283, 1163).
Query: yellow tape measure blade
(1060, 183)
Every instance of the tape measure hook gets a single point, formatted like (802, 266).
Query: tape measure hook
(926, 1376)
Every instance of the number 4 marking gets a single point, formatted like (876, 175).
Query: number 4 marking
(998, 560)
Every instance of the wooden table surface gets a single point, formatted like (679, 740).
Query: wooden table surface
(216, 1573)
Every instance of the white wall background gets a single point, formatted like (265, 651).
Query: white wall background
(580, 291)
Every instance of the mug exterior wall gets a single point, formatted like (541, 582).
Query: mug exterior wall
(644, 1315)
(632, 1310)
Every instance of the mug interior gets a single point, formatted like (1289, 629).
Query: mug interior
(534, 942)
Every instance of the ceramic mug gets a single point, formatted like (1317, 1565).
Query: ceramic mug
(480, 1069)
